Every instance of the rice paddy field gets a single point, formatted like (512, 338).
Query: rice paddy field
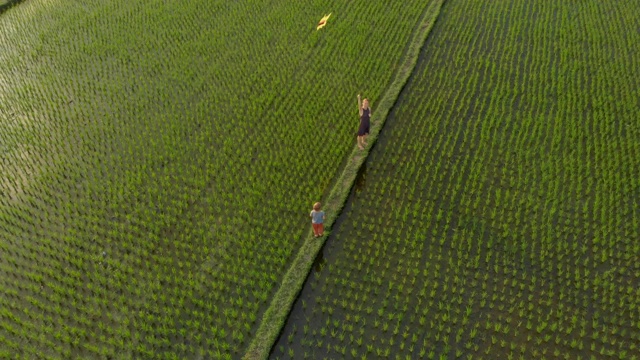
(498, 216)
(158, 161)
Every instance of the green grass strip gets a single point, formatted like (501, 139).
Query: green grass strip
(275, 316)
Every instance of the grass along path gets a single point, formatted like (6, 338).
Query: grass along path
(275, 316)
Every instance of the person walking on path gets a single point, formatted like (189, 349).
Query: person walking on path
(317, 220)
(365, 122)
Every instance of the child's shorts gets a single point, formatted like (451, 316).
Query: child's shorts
(318, 229)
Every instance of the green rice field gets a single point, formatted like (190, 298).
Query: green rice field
(499, 213)
(158, 162)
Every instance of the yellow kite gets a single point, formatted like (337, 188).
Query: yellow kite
(323, 22)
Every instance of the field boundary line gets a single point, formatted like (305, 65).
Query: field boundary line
(275, 317)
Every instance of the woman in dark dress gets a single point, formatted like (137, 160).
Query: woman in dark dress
(365, 122)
